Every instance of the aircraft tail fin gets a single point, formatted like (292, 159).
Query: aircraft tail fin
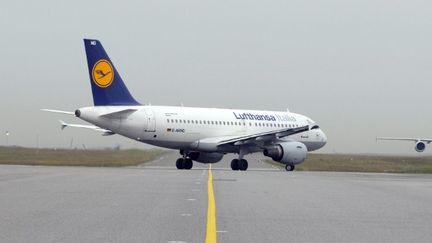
(107, 86)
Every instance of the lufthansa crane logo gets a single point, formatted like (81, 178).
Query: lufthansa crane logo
(103, 73)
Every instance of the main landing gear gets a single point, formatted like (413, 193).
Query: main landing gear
(184, 163)
(239, 164)
(289, 167)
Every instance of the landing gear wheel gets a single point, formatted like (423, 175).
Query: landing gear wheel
(235, 164)
(243, 164)
(289, 167)
(187, 164)
(180, 164)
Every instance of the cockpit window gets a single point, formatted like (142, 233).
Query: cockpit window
(314, 127)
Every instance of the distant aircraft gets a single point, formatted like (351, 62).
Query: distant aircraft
(200, 134)
(420, 143)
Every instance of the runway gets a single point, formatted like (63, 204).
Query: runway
(157, 203)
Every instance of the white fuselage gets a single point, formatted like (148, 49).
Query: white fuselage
(179, 127)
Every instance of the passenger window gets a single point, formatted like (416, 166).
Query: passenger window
(176, 120)
(168, 120)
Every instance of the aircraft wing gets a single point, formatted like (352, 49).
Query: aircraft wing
(212, 143)
(426, 140)
(265, 136)
(105, 132)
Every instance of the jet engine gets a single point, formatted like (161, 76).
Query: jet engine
(205, 157)
(420, 146)
(289, 153)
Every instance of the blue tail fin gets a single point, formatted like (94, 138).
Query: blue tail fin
(107, 85)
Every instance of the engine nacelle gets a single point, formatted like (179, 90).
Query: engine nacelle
(288, 152)
(205, 157)
(420, 146)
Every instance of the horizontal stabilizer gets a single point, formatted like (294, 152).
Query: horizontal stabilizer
(59, 111)
(105, 132)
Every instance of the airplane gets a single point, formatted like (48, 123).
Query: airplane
(203, 135)
(420, 143)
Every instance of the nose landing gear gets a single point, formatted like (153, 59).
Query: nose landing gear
(289, 167)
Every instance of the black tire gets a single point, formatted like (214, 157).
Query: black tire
(235, 164)
(187, 164)
(243, 164)
(179, 164)
(289, 167)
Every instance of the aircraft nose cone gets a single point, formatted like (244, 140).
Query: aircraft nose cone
(323, 138)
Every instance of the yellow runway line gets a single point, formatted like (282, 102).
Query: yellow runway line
(211, 210)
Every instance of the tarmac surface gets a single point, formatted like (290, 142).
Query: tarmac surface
(157, 203)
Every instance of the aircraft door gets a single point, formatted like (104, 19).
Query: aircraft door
(151, 121)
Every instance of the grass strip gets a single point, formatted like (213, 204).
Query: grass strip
(64, 157)
(364, 163)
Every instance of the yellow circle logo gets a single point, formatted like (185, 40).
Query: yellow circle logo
(103, 73)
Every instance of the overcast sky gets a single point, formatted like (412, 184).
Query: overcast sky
(358, 68)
